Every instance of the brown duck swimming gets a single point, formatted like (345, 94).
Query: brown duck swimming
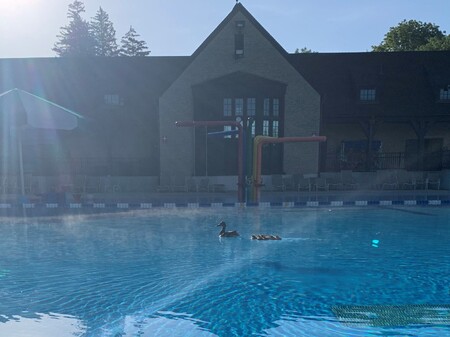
(226, 234)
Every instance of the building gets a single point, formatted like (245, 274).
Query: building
(377, 110)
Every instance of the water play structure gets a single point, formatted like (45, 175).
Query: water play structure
(252, 168)
(258, 143)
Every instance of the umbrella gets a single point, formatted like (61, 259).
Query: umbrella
(20, 109)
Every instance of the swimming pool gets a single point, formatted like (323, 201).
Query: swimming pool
(340, 272)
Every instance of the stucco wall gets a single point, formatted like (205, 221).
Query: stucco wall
(217, 59)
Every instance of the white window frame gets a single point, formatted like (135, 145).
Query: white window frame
(368, 94)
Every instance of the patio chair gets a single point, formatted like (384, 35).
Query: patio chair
(322, 184)
(4, 184)
(433, 180)
(407, 183)
(311, 177)
(390, 182)
(348, 180)
(164, 184)
(277, 183)
(289, 183)
(191, 184)
(79, 184)
(335, 182)
(109, 184)
(178, 184)
(303, 184)
(203, 185)
(420, 183)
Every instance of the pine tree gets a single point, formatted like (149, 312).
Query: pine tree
(131, 46)
(104, 34)
(75, 39)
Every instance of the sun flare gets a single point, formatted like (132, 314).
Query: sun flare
(15, 7)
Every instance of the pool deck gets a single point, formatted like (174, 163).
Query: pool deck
(270, 196)
(98, 203)
(266, 196)
(122, 200)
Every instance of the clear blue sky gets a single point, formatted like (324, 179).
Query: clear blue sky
(28, 28)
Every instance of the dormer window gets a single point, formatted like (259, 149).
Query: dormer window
(367, 95)
(113, 99)
(444, 94)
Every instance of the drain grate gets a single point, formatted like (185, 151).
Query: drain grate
(393, 315)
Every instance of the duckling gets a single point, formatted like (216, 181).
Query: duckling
(226, 234)
(265, 237)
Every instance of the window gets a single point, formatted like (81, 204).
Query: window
(233, 131)
(239, 107)
(227, 107)
(265, 127)
(240, 25)
(444, 94)
(239, 45)
(266, 106)
(275, 129)
(251, 106)
(264, 112)
(276, 107)
(367, 95)
(113, 99)
(227, 128)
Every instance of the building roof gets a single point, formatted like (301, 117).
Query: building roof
(407, 83)
(78, 82)
(240, 8)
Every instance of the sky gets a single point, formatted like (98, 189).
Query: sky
(28, 28)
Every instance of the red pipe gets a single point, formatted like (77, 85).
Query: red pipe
(261, 140)
(240, 146)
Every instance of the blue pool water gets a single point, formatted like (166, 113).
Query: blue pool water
(166, 273)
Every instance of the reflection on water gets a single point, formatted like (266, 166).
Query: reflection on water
(164, 324)
(42, 325)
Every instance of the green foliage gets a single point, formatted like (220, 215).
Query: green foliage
(104, 34)
(98, 38)
(132, 46)
(413, 35)
(304, 50)
(75, 39)
(437, 44)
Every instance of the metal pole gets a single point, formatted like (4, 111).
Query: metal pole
(22, 180)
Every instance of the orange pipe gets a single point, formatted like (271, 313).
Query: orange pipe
(257, 147)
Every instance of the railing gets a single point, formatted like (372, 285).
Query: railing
(433, 161)
(92, 166)
(358, 161)
(390, 160)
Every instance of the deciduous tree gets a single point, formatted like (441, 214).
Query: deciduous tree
(437, 44)
(412, 35)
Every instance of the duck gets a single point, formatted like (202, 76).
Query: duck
(265, 237)
(226, 234)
